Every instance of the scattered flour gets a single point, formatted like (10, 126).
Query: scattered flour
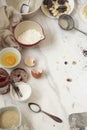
(30, 36)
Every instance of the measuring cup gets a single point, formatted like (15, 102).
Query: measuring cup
(66, 22)
(36, 108)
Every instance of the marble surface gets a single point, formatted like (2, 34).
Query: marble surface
(52, 91)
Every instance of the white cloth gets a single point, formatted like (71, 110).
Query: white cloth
(9, 17)
(3, 3)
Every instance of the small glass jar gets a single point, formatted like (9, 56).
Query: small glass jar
(4, 81)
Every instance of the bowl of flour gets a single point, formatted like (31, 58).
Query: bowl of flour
(29, 33)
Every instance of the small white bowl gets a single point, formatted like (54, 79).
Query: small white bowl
(33, 8)
(25, 90)
(10, 52)
(25, 26)
(11, 108)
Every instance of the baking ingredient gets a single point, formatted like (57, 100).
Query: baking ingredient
(30, 36)
(30, 61)
(25, 90)
(57, 7)
(36, 73)
(69, 80)
(4, 81)
(9, 118)
(19, 74)
(84, 11)
(9, 59)
(84, 52)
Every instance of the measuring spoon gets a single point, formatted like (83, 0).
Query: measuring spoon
(36, 108)
(66, 22)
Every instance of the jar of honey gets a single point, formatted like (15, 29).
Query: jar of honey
(4, 81)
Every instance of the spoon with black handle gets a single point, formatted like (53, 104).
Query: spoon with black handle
(36, 108)
(66, 22)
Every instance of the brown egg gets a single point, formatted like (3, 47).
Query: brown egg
(36, 73)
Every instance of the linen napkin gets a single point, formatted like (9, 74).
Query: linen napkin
(9, 17)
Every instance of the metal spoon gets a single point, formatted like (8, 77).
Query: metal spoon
(25, 7)
(66, 22)
(36, 108)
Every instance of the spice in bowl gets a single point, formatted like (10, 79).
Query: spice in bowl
(10, 57)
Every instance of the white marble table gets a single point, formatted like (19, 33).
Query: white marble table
(53, 92)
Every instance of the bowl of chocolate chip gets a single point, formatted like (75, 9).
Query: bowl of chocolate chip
(55, 8)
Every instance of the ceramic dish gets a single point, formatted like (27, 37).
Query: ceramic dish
(10, 57)
(48, 14)
(29, 33)
(25, 90)
(10, 117)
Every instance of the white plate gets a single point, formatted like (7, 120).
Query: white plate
(48, 14)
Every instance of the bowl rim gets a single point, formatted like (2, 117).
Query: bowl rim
(34, 11)
(29, 45)
(15, 51)
(23, 100)
(12, 107)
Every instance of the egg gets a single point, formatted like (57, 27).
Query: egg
(36, 73)
(9, 59)
(30, 61)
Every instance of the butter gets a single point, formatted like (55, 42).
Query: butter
(84, 11)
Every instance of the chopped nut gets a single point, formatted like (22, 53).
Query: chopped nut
(62, 9)
(85, 53)
(69, 80)
(74, 62)
(61, 2)
(65, 62)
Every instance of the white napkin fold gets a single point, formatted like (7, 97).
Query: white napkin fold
(9, 17)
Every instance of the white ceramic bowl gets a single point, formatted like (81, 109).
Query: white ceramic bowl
(24, 26)
(11, 108)
(25, 90)
(10, 52)
(48, 14)
(34, 6)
